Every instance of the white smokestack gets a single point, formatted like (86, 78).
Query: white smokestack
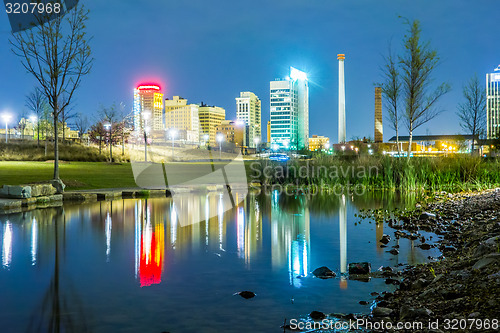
(342, 135)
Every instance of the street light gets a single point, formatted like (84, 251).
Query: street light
(6, 117)
(173, 133)
(256, 142)
(220, 138)
(145, 116)
(108, 128)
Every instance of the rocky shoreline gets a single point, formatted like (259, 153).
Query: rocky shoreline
(461, 289)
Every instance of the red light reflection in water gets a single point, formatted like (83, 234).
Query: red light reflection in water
(151, 256)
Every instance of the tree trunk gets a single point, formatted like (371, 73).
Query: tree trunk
(397, 139)
(38, 133)
(56, 148)
(409, 143)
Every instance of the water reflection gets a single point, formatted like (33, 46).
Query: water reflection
(290, 236)
(149, 246)
(128, 244)
(7, 245)
(343, 241)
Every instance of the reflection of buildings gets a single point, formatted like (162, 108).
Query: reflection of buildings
(290, 239)
(248, 229)
(149, 246)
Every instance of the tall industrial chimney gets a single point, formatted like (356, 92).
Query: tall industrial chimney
(342, 134)
(379, 130)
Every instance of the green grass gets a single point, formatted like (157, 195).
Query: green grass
(76, 175)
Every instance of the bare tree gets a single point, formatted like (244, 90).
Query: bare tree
(391, 89)
(81, 124)
(35, 101)
(417, 64)
(472, 112)
(66, 114)
(57, 53)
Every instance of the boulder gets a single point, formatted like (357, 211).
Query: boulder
(360, 268)
(4, 191)
(42, 190)
(385, 239)
(381, 312)
(20, 192)
(324, 273)
(246, 294)
(59, 185)
(317, 315)
(426, 215)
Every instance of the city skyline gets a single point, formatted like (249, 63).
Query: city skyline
(357, 30)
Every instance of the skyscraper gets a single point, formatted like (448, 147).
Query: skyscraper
(248, 110)
(290, 111)
(210, 118)
(148, 108)
(379, 130)
(493, 104)
(183, 118)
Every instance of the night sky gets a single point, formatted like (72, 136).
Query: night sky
(211, 50)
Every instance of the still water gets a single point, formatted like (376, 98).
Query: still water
(130, 266)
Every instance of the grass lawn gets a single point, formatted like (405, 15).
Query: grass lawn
(76, 175)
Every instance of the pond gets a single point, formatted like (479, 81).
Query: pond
(132, 265)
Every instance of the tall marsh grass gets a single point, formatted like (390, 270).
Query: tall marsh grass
(456, 173)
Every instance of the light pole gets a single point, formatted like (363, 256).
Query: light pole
(256, 141)
(145, 116)
(173, 133)
(6, 117)
(108, 128)
(220, 138)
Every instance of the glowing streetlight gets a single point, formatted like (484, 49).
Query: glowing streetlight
(220, 138)
(173, 134)
(343, 148)
(256, 141)
(327, 145)
(356, 149)
(6, 117)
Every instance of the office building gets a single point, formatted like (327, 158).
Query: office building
(210, 118)
(182, 118)
(379, 130)
(318, 142)
(148, 108)
(493, 104)
(290, 111)
(248, 109)
(233, 131)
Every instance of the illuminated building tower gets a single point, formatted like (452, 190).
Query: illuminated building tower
(379, 130)
(290, 111)
(248, 110)
(342, 134)
(183, 118)
(318, 142)
(493, 104)
(210, 118)
(148, 108)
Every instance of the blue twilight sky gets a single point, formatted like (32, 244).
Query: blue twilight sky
(211, 50)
